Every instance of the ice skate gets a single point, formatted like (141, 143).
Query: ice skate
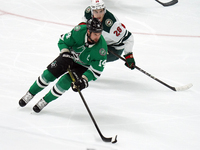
(25, 99)
(40, 105)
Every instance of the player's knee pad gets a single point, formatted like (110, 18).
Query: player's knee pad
(48, 76)
(64, 83)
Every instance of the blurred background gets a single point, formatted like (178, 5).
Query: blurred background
(143, 113)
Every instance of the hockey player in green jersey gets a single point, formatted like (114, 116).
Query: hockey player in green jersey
(84, 51)
(117, 37)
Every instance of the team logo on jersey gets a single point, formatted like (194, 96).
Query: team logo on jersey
(54, 64)
(109, 22)
(77, 28)
(102, 52)
(88, 9)
(81, 47)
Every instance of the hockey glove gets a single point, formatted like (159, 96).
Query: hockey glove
(80, 84)
(67, 57)
(130, 62)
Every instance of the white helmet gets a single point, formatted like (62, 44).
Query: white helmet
(97, 4)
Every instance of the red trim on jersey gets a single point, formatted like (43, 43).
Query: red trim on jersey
(82, 23)
(123, 25)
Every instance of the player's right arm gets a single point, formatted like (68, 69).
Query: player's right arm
(87, 16)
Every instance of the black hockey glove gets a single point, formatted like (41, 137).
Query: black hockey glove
(79, 84)
(67, 58)
(130, 62)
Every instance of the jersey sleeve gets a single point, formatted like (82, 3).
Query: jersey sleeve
(119, 34)
(128, 45)
(95, 69)
(66, 41)
(116, 34)
(87, 16)
(87, 13)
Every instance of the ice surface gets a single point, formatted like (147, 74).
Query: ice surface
(143, 113)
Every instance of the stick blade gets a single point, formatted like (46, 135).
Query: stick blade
(112, 139)
(183, 88)
(173, 2)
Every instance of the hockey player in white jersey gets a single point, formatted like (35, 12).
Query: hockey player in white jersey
(117, 37)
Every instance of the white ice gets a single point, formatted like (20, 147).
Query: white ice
(143, 113)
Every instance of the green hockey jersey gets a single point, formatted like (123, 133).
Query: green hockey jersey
(92, 57)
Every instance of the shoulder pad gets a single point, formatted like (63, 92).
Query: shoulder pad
(108, 21)
(88, 13)
(88, 9)
(77, 28)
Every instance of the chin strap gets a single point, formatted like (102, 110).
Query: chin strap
(93, 42)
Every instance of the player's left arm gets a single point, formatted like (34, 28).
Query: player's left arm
(95, 69)
(122, 36)
(92, 73)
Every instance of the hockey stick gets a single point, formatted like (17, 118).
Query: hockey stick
(181, 88)
(105, 139)
(168, 3)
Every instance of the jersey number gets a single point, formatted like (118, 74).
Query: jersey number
(102, 63)
(118, 31)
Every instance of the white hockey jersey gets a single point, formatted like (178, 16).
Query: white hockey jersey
(114, 32)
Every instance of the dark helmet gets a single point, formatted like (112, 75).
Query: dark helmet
(94, 25)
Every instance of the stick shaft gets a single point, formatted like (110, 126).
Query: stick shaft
(113, 140)
(165, 84)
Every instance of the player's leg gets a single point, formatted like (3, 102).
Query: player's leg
(110, 56)
(53, 71)
(59, 88)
